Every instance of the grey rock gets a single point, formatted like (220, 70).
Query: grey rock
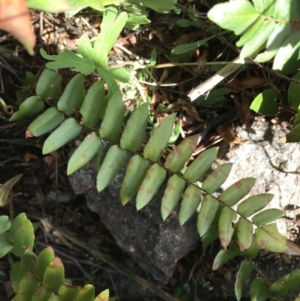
(155, 245)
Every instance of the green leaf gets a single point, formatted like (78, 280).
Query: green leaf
(253, 251)
(135, 129)
(244, 272)
(259, 39)
(189, 204)
(265, 103)
(225, 226)
(54, 275)
(41, 294)
(87, 293)
(28, 260)
(160, 6)
(211, 235)
(237, 16)
(111, 26)
(23, 238)
(68, 59)
(110, 167)
(176, 159)
(135, 173)
(65, 133)
(294, 93)
(267, 216)
(159, 139)
(244, 233)
(26, 288)
(237, 191)
(30, 106)
(259, 290)
(43, 261)
(113, 118)
(85, 152)
(281, 31)
(45, 122)
(207, 213)
(103, 296)
(199, 167)
(224, 256)
(268, 238)
(254, 204)
(184, 48)
(15, 225)
(4, 223)
(6, 245)
(287, 57)
(172, 195)
(48, 85)
(68, 292)
(93, 104)
(150, 185)
(265, 7)
(16, 275)
(72, 96)
(216, 178)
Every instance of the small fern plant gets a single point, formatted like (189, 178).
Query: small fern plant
(38, 277)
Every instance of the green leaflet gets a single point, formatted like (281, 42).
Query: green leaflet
(110, 167)
(54, 275)
(199, 167)
(237, 16)
(225, 226)
(267, 216)
(73, 95)
(237, 191)
(27, 287)
(65, 133)
(28, 260)
(268, 238)
(207, 213)
(244, 233)
(43, 261)
(16, 275)
(135, 129)
(254, 204)
(294, 93)
(68, 292)
(113, 118)
(23, 237)
(85, 152)
(48, 85)
(244, 272)
(259, 39)
(159, 139)
(93, 104)
(287, 283)
(293, 135)
(265, 7)
(224, 256)
(135, 173)
(189, 204)
(87, 293)
(29, 106)
(286, 59)
(150, 185)
(41, 294)
(4, 223)
(216, 178)
(259, 290)
(176, 159)
(172, 195)
(281, 31)
(103, 296)
(210, 236)
(45, 122)
(265, 103)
